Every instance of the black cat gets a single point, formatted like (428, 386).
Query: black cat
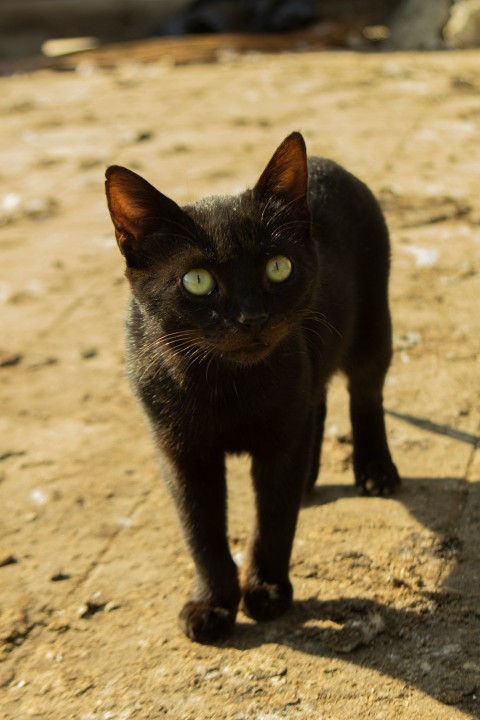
(242, 309)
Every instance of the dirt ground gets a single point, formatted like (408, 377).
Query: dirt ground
(93, 569)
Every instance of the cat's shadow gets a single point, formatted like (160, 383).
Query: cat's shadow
(403, 644)
(422, 647)
(327, 494)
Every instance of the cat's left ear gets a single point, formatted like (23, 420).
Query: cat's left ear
(286, 176)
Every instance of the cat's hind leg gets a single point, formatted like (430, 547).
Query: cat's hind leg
(317, 447)
(366, 368)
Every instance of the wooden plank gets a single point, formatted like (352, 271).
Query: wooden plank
(209, 48)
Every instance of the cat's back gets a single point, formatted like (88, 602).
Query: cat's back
(343, 208)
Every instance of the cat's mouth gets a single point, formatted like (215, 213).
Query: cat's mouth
(247, 349)
(248, 354)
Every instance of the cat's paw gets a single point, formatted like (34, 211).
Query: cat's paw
(206, 623)
(266, 601)
(378, 477)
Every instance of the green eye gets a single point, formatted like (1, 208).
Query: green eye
(198, 282)
(279, 268)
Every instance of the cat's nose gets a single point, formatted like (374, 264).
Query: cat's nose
(253, 321)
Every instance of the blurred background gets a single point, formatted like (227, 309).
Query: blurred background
(54, 28)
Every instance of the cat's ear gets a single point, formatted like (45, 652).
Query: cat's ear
(286, 176)
(137, 210)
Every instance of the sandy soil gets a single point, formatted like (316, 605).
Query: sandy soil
(93, 569)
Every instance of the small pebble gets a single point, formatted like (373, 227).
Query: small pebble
(59, 576)
(7, 558)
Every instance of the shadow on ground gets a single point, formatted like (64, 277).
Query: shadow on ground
(428, 643)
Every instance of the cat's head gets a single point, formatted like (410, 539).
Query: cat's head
(228, 277)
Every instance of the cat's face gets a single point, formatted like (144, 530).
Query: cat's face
(227, 278)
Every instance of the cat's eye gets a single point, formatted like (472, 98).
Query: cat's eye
(198, 282)
(279, 269)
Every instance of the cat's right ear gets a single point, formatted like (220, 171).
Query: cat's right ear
(137, 210)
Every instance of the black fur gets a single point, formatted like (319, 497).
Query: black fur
(245, 368)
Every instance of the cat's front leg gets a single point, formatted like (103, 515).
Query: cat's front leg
(199, 490)
(279, 480)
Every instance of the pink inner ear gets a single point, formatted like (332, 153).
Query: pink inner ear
(291, 180)
(125, 209)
